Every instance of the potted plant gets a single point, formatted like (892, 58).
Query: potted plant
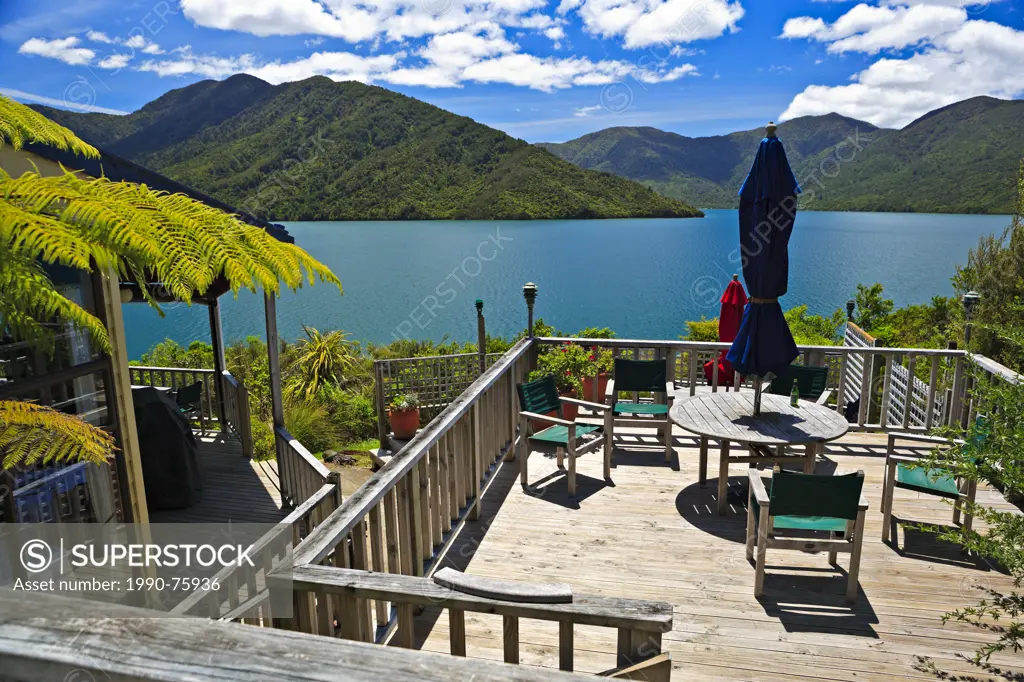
(603, 362)
(569, 364)
(404, 414)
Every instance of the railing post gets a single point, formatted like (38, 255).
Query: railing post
(219, 364)
(244, 419)
(481, 335)
(382, 408)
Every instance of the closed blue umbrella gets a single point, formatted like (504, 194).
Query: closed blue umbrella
(764, 345)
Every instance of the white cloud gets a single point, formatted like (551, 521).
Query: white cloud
(871, 29)
(583, 112)
(951, 61)
(152, 48)
(660, 22)
(555, 34)
(99, 37)
(339, 66)
(208, 66)
(64, 49)
(114, 61)
(313, 42)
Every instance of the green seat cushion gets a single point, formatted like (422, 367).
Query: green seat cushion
(640, 408)
(826, 523)
(560, 434)
(934, 481)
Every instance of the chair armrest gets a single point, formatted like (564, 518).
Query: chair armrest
(547, 418)
(824, 397)
(863, 504)
(757, 487)
(609, 391)
(920, 438)
(585, 403)
(670, 390)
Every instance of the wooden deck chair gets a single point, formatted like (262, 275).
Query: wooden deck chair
(190, 402)
(904, 471)
(638, 376)
(806, 502)
(537, 399)
(812, 382)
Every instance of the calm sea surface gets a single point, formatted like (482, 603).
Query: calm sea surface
(643, 278)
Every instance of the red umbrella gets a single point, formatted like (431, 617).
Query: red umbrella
(734, 300)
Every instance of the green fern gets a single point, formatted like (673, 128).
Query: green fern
(32, 433)
(20, 124)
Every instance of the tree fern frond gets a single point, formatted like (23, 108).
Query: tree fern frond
(31, 433)
(29, 303)
(20, 124)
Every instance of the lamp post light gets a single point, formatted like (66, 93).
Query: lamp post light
(970, 300)
(530, 294)
(850, 305)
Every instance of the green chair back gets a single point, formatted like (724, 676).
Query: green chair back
(639, 375)
(794, 494)
(810, 381)
(188, 396)
(540, 396)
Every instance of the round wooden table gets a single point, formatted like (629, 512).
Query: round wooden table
(729, 417)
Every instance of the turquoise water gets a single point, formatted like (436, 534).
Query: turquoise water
(643, 278)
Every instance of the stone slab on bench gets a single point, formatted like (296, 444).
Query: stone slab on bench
(505, 590)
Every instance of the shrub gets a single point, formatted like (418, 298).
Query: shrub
(310, 423)
(262, 441)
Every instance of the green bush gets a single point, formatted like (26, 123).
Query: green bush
(310, 423)
(702, 330)
(262, 441)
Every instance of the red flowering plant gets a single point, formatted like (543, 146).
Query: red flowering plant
(568, 364)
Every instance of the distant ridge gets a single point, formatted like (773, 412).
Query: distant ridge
(321, 150)
(962, 158)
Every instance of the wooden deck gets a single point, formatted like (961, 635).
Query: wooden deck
(234, 487)
(654, 534)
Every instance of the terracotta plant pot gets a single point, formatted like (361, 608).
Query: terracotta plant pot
(602, 386)
(569, 411)
(404, 424)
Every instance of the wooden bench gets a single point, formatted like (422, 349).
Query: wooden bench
(640, 624)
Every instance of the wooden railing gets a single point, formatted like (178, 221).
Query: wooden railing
(55, 639)
(243, 590)
(236, 411)
(347, 595)
(436, 380)
(177, 377)
(410, 510)
(300, 472)
(944, 369)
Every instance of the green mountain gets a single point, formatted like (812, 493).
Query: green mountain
(962, 158)
(320, 150)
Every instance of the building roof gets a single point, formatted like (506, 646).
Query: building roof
(116, 168)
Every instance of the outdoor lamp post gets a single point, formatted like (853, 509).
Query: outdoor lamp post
(850, 305)
(530, 294)
(970, 300)
(481, 335)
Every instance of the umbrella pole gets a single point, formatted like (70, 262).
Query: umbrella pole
(757, 396)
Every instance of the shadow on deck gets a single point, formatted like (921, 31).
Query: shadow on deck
(234, 487)
(654, 533)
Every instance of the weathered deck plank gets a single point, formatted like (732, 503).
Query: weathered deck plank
(234, 487)
(655, 534)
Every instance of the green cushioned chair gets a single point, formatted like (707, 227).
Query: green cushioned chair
(638, 376)
(905, 471)
(812, 382)
(190, 402)
(806, 502)
(539, 402)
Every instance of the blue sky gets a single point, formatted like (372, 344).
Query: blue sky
(540, 70)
